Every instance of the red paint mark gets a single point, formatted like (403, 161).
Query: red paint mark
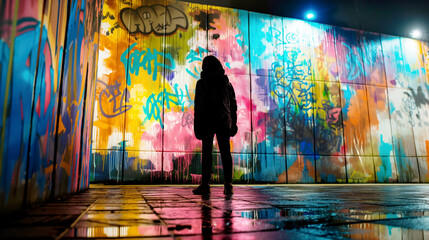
(45, 140)
(343, 149)
(27, 63)
(38, 107)
(48, 77)
(81, 16)
(333, 115)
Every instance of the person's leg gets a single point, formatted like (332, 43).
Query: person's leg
(225, 153)
(207, 159)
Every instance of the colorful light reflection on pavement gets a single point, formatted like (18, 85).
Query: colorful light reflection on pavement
(252, 212)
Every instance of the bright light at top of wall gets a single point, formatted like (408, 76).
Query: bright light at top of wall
(310, 15)
(416, 34)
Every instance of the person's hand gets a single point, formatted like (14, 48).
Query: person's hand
(234, 130)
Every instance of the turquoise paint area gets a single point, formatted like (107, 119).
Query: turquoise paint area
(384, 172)
(385, 148)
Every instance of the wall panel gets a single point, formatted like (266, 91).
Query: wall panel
(357, 136)
(379, 120)
(301, 169)
(265, 164)
(73, 97)
(20, 56)
(46, 97)
(385, 169)
(331, 169)
(360, 169)
(266, 49)
(372, 54)
(187, 47)
(393, 61)
(401, 107)
(349, 54)
(106, 165)
(46, 79)
(328, 117)
(323, 54)
(407, 169)
(230, 44)
(267, 115)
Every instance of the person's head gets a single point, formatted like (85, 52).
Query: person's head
(212, 65)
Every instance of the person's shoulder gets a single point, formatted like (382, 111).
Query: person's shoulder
(228, 83)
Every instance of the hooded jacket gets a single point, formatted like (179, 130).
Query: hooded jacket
(215, 106)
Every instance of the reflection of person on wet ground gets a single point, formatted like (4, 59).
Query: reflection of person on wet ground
(206, 214)
(215, 114)
(206, 224)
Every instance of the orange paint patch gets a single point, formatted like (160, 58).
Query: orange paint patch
(356, 127)
(282, 178)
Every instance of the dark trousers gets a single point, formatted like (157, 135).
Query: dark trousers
(225, 154)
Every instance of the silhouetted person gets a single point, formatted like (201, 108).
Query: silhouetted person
(215, 113)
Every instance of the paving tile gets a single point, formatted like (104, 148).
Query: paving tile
(100, 215)
(118, 231)
(216, 225)
(120, 206)
(117, 222)
(188, 213)
(175, 204)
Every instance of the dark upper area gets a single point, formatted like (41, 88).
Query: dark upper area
(394, 17)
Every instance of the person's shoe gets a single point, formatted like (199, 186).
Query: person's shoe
(227, 189)
(201, 190)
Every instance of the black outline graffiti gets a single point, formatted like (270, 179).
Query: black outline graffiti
(187, 119)
(155, 19)
(112, 91)
(206, 19)
(108, 15)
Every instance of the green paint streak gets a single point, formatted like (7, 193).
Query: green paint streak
(179, 52)
(237, 174)
(8, 80)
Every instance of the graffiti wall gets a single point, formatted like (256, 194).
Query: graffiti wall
(316, 103)
(48, 52)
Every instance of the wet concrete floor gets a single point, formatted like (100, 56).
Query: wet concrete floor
(252, 212)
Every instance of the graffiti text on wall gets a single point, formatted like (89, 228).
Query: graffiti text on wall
(112, 92)
(145, 59)
(153, 107)
(156, 18)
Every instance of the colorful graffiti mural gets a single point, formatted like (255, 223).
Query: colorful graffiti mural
(108, 96)
(316, 103)
(47, 86)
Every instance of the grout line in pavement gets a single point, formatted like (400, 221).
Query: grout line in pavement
(77, 220)
(160, 218)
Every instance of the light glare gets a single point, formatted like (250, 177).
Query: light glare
(310, 15)
(416, 34)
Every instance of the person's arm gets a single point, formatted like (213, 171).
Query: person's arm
(197, 111)
(233, 109)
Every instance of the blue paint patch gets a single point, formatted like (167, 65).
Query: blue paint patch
(385, 148)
